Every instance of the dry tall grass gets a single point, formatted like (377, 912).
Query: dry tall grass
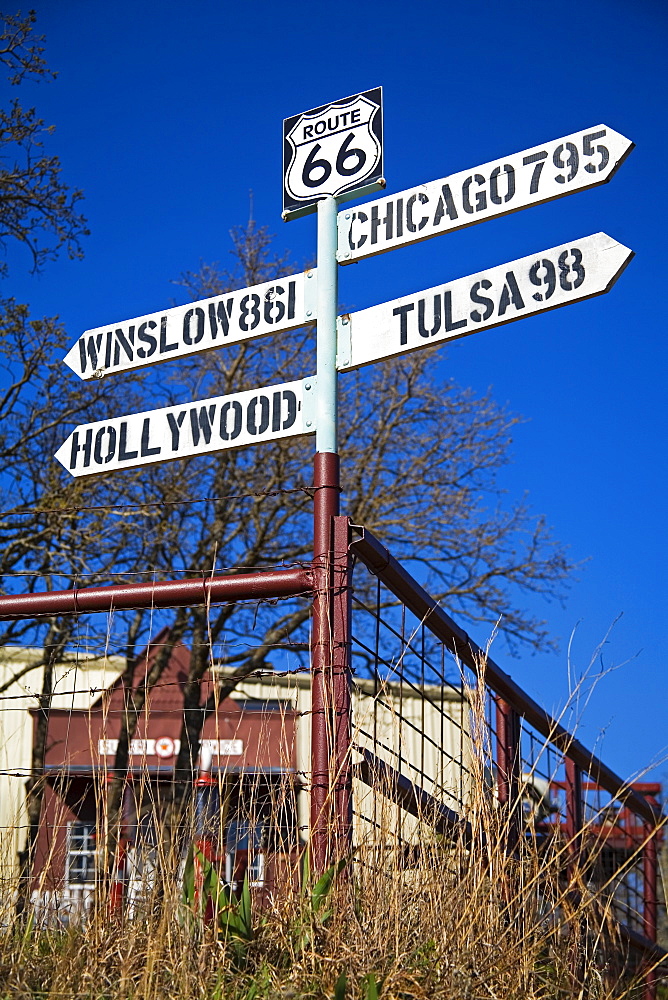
(482, 915)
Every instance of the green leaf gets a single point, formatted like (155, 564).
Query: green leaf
(340, 987)
(369, 987)
(245, 914)
(189, 878)
(324, 884)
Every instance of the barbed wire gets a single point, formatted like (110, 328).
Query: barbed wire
(308, 490)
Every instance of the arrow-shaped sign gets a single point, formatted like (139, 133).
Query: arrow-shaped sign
(542, 281)
(555, 169)
(205, 425)
(271, 307)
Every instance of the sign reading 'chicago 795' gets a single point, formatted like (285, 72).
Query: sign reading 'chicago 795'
(568, 273)
(552, 170)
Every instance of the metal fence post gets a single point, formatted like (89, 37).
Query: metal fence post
(509, 769)
(650, 871)
(325, 508)
(573, 830)
(574, 814)
(341, 683)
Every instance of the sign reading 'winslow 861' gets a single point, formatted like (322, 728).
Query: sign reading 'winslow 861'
(271, 307)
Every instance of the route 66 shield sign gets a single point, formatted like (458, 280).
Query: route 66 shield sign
(336, 149)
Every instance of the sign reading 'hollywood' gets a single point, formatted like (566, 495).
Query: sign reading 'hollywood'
(206, 425)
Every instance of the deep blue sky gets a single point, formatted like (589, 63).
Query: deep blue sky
(168, 113)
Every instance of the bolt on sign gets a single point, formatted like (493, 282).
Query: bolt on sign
(568, 273)
(336, 150)
(271, 307)
(196, 428)
(563, 166)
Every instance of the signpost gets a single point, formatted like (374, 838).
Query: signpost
(271, 307)
(335, 150)
(196, 428)
(569, 273)
(563, 166)
(331, 154)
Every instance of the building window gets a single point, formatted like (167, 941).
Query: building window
(81, 854)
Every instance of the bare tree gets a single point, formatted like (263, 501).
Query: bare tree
(37, 208)
(419, 465)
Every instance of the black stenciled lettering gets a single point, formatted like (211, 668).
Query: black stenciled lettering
(272, 299)
(127, 343)
(355, 117)
(509, 171)
(363, 217)
(576, 267)
(86, 447)
(572, 161)
(308, 131)
(449, 325)
(165, 348)
(537, 159)
(402, 312)
(220, 313)
(252, 424)
(400, 217)
(446, 206)
(276, 412)
(201, 421)
(175, 423)
(411, 225)
(235, 407)
(510, 294)
(291, 399)
(89, 346)
(144, 337)
(111, 445)
(422, 329)
(250, 307)
(376, 221)
(481, 300)
(108, 346)
(292, 294)
(480, 196)
(123, 454)
(146, 450)
(196, 313)
(550, 279)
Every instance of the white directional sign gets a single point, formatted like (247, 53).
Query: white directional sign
(271, 307)
(556, 168)
(331, 150)
(568, 273)
(206, 425)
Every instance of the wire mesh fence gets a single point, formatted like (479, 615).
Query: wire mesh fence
(454, 778)
(452, 755)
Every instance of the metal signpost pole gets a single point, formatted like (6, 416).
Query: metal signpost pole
(325, 508)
